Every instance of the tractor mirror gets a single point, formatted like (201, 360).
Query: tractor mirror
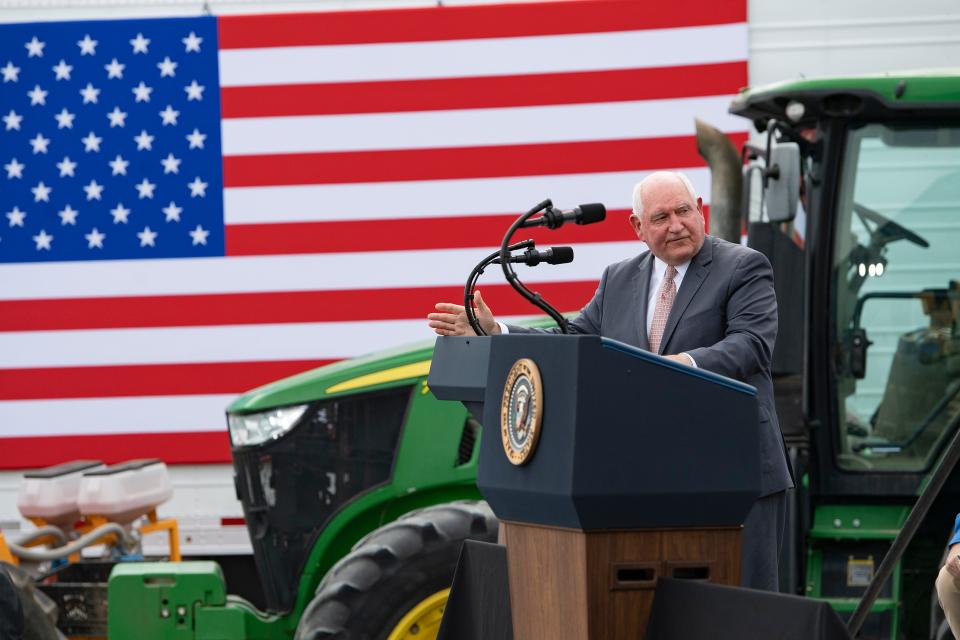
(782, 182)
(751, 198)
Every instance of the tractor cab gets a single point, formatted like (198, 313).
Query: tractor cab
(855, 196)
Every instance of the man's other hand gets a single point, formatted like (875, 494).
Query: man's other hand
(953, 561)
(682, 358)
(451, 319)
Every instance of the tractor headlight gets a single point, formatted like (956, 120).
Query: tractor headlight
(255, 428)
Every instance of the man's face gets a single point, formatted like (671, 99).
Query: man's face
(672, 224)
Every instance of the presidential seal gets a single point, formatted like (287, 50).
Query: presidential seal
(521, 411)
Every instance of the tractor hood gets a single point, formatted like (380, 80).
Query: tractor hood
(368, 372)
(936, 92)
(381, 369)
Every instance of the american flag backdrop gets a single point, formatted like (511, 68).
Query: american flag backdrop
(192, 207)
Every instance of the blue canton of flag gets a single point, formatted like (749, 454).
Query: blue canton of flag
(110, 140)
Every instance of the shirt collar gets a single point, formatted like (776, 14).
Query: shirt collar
(660, 268)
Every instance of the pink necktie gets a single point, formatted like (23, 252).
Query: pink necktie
(668, 291)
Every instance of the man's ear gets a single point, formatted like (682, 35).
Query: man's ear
(700, 205)
(637, 226)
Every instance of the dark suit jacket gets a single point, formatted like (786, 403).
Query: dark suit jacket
(724, 316)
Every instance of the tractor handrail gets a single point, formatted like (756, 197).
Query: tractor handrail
(939, 477)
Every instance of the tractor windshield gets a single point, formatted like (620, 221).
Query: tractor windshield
(896, 296)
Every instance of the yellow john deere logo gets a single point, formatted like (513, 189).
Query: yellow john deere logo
(521, 411)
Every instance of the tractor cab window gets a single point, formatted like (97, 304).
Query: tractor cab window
(896, 296)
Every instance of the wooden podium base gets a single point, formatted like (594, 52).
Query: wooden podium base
(599, 585)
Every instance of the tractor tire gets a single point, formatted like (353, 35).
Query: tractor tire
(393, 584)
(39, 611)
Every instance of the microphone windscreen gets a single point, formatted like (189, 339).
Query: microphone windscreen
(593, 212)
(560, 255)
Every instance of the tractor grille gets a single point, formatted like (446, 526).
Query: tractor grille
(468, 440)
(291, 486)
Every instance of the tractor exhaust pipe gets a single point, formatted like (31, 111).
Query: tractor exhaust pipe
(726, 181)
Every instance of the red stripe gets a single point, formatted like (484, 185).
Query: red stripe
(486, 92)
(464, 162)
(398, 235)
(455, 23)
(221, 309)
(145, 380)
(172, 448)
(395, 235)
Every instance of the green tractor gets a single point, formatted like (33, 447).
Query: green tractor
(356, 476)
(358, 488)
(358, 484)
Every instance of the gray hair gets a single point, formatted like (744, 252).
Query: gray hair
(638, 188)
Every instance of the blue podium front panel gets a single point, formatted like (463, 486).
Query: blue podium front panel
(628, 439)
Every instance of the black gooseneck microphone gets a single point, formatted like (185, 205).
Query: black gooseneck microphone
(550, 218)
(530, 257)
(555, 218)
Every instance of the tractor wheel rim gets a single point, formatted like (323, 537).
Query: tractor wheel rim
(422, 622)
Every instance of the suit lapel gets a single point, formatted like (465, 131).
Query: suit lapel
(641, 284)
(692, 280)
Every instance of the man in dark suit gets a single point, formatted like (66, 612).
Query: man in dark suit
(700, 301)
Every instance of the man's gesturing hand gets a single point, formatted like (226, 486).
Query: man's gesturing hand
(451, 319)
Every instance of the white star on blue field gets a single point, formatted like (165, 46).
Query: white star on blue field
(110, 140)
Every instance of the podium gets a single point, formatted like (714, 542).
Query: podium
(609, 467)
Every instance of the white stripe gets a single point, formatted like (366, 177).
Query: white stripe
(114, 416)
(332, 271)
(484, 57)
(436, 198)
(476, 127)
(183, 345)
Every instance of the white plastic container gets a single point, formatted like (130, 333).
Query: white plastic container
(124, 492)
(51, 494)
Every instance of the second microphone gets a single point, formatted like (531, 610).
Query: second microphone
(552, 255)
